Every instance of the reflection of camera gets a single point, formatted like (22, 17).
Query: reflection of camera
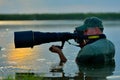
(29, 38)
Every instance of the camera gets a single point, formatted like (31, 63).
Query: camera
(24, 39)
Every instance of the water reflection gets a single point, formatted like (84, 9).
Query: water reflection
(88, 72)
(20, 58)
(97, 72)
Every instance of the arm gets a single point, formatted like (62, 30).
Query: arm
(58, 51)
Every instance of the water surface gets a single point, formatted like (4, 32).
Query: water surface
(40, 60)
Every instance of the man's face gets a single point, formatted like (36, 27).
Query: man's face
(92, 31)
(89, 31)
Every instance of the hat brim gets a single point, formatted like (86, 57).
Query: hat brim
(81, 28)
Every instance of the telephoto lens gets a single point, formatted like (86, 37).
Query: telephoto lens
(25, 39)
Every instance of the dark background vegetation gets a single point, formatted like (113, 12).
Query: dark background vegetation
(64, 16)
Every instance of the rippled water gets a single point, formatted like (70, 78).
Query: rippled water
(41, 60)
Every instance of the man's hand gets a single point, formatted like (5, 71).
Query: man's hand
(58, 50)
(55, 49)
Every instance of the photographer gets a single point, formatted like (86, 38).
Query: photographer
(95, 51)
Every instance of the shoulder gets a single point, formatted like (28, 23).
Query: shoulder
(87, 50)
(104, 44)
(98, 46)
(96, 51)
(103, 41)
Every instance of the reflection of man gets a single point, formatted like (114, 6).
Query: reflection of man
(97, 50)
(88, 72)
(93, 72)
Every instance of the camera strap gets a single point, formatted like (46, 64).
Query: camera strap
(73, 44)
(94, 38)
(91, 38)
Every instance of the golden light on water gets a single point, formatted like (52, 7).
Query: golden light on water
(21, 58)
(20, 54)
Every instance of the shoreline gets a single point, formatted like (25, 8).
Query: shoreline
(62, 16)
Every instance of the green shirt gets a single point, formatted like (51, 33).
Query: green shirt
(99, 51)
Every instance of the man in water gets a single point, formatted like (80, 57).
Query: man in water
(95, 51)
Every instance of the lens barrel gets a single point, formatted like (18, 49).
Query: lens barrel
(24, 39)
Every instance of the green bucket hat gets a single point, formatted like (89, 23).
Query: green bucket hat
(90, 22)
